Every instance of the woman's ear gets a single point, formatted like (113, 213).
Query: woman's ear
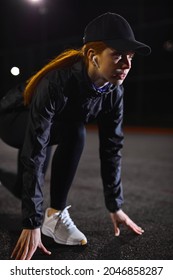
(92, 57)
(90, 54)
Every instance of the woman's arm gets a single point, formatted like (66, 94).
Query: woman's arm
(111, 142)
(44, 104)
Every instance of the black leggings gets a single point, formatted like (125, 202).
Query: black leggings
(69, 138)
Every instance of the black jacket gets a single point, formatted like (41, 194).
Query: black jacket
(67, 94)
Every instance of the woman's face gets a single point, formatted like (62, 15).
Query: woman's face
(113, 66)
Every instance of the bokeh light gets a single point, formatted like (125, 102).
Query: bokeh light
(15, 71)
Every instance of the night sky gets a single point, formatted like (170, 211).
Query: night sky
(23, 21)
(32, 34)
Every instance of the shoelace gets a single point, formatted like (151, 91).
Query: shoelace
(65, 217)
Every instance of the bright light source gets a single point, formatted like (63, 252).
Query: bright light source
(41, 4)
(35, 1)
(15, 71)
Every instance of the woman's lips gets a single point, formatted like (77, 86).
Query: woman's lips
(119, 75)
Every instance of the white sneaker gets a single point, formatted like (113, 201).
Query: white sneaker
(62, 229)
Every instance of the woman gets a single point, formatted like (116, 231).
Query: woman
(77, 87)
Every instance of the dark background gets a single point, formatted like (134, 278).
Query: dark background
(31, 35)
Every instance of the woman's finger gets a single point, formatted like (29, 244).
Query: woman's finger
(43, 249)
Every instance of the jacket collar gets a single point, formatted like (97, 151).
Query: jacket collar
(80, 72)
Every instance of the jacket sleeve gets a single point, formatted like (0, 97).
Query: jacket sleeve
(45, 101)
(111, 142)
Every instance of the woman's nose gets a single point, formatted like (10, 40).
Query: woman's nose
(126, 62)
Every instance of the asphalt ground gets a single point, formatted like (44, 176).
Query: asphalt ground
(147, 175)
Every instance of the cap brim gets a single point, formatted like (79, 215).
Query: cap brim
(128, 45)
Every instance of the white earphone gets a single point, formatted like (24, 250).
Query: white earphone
(95, 62)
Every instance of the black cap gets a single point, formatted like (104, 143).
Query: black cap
(116, 32)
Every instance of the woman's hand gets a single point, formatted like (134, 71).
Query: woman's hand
(120, 217)
(27, 244)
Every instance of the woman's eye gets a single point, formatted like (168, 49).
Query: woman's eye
(118, 57)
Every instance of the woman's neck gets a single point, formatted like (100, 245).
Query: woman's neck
(95, 77)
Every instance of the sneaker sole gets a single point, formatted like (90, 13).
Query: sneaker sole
(49, 233)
